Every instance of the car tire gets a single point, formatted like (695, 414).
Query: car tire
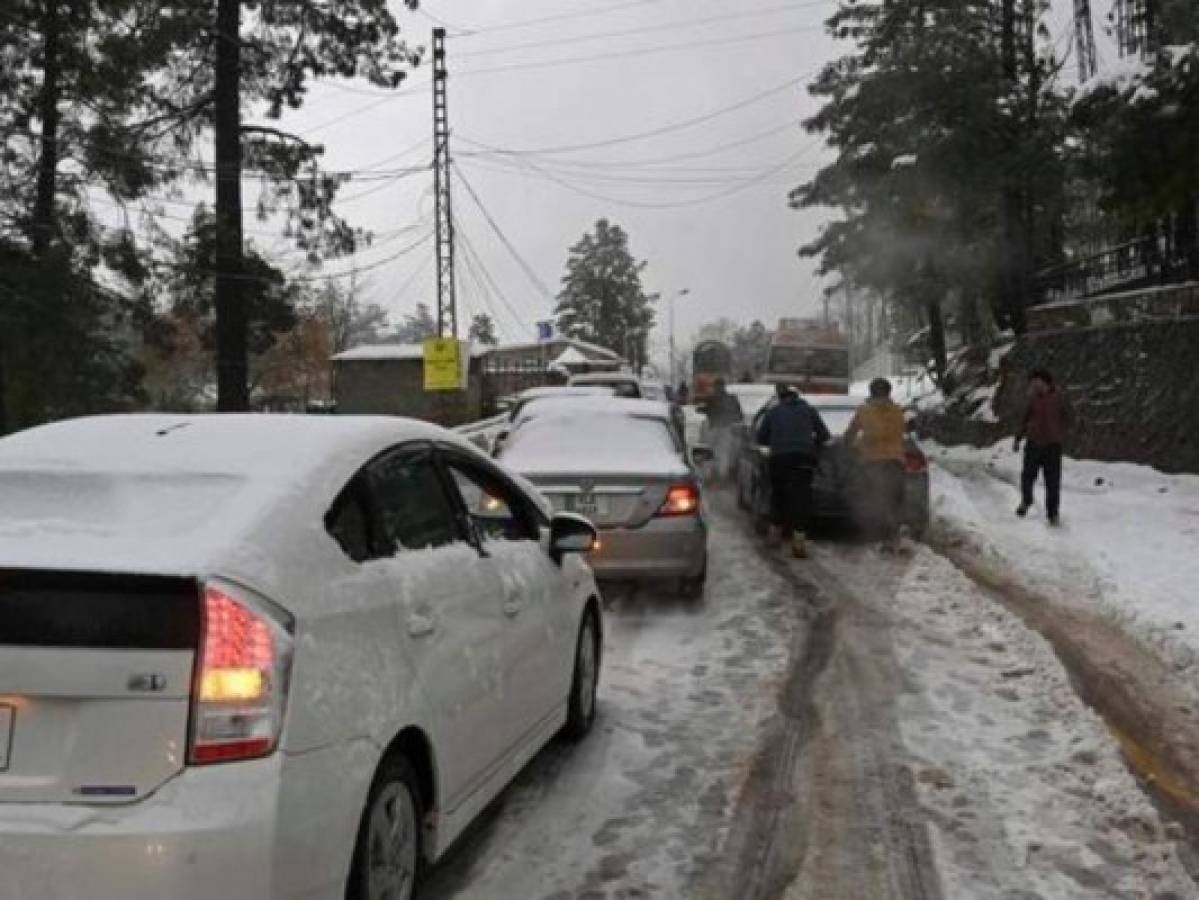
(380, 863)
(692, 589)
(584, 684)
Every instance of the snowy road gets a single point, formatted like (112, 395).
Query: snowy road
(856, 726)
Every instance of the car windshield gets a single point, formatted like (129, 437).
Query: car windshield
(805, 361)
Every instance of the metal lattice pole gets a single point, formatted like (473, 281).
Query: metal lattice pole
(1084, 32)
(447, 304)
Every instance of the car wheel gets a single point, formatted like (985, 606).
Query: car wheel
(388, 856)
(693, 588)
(761, 510)
(580, 713)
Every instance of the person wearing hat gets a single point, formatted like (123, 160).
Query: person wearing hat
(795, 434)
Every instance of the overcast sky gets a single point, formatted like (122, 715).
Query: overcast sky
(571, 88)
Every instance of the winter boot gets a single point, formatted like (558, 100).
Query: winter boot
(799, 545)
(1022, 510)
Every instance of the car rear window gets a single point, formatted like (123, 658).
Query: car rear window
(595, 442)
(77, 610)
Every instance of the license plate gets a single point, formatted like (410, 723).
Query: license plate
(588, 505)
(7, 715)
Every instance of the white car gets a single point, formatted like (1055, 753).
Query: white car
(623, 464)
(256, 657)
(625, 384)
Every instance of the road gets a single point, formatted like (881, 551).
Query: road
(853, 726)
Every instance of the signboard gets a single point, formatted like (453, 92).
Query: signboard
(545, 331)
(445, 365)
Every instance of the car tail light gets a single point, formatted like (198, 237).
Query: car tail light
(681, 500)
(914, 461)
(241, 685)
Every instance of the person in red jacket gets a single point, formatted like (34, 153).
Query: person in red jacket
(1047, 419)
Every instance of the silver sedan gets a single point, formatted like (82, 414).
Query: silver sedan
(621, 464)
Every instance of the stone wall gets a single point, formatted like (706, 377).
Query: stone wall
(1134, 386)
(396, 387)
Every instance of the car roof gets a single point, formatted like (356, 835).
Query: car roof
(183, 494)
(581, 390)
(612, 406)
(603, 378)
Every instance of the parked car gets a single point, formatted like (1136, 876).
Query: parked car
(622, 464)
(272, 656)
(535, 395)
(624, 384)
(837, 489)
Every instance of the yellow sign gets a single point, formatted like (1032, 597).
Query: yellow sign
(444, 369)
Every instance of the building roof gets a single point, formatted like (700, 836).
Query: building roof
(378, 352)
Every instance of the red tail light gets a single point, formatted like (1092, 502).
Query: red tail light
(241, 681)
(915, 461)
(681, 500)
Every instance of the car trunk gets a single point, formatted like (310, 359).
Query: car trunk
(609, 501)
(95, 684)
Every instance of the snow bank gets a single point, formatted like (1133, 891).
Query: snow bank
(1128, 547)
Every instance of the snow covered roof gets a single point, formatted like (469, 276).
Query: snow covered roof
(378, 352)
(584, 347)
(571, 356)
(574, 407)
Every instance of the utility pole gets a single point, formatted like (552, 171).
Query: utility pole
(1084, 32)
(447, 304)
(683, 293)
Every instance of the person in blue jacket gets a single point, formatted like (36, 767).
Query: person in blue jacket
(795, 434)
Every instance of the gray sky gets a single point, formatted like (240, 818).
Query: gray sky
(706, 216)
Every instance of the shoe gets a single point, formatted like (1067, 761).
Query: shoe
(1054, 519)
(799, 545)
(1022, 510)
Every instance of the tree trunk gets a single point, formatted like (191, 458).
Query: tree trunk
(47, 167)
(936, 342)
(1014, 279)
(231, 354)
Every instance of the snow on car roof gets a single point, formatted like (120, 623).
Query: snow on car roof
(607, 440)
(538, 393)
(575, 406)
(604, 378)
(179, 494)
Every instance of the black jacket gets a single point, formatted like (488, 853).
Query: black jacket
(792, 426)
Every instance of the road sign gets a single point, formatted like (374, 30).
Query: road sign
(444, 365)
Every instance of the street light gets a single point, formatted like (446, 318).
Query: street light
(683, 293)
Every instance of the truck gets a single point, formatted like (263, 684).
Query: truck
(811, 354)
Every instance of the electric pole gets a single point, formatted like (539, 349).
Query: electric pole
(1084, 32)
(447, 304)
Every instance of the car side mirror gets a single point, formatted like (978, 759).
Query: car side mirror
(570, 533)
(702, 454)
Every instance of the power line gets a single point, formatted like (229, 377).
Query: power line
(644, 51)
(635, 32)
(560, 17)
(654, 132)
(476, 262)
(499, 232)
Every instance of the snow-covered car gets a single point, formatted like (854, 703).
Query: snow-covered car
(837, 487)
(257, 657)
(521, 402)
(622, 464)
(625, 384)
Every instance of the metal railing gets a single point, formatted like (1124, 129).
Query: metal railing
(1142, 262)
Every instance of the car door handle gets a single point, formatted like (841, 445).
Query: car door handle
(421, 625)
(512, 607)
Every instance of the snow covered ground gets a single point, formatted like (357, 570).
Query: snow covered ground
(1022, 788)
(1128, 547)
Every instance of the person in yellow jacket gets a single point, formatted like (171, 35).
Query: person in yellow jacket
(877, 434)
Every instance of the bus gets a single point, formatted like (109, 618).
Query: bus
(811, 355)
(711, 360)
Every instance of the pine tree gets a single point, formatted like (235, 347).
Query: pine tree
(482, 330)
(602, 299)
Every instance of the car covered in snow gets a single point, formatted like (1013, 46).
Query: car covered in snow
(624, 384)
(522, 401)
(623, 465)
(837, 487)
(253, 657)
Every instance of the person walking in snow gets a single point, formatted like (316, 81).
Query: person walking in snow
(1047, 420)
(795, 434)
(877, 435)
